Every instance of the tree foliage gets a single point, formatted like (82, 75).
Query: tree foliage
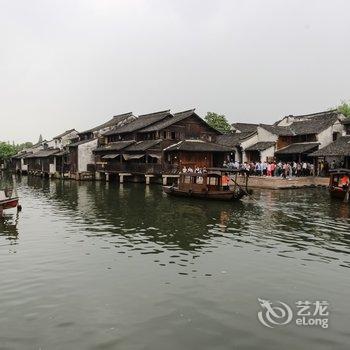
(218, 122)
(344, 108)
(8, 150)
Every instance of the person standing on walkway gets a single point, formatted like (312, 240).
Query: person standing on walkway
(225, 182)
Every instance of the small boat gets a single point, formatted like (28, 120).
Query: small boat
(210, 185)
(339, 186)
(8, 199)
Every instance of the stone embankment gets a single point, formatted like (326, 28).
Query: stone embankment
(280, 183)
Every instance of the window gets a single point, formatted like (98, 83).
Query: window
(335, 136)
(213, 181)
(199, 180)
(173, 135)
(164, 134)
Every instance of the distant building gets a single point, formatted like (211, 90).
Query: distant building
(243, 127)
(337, 152)
(346, 123)
(249, 143)
(80, 159)
(299, 136)
(19, 162)
(47, 159)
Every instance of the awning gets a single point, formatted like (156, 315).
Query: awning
(133, 156)
(298, 148)
(158, 156)
(260, 146)
(110, 156)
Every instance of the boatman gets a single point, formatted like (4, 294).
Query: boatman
(225, 182)
(344, 181)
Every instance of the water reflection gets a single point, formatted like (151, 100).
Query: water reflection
(8, 227)
(298, 224)
(101, 266)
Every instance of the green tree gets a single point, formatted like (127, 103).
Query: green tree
(7, 150)
(24, 145)
(218, 122)
(344, 108)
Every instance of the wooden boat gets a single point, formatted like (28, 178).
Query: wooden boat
(8, 199)
(337, 187)
(209, 185)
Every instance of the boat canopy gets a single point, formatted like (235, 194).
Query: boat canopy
(339, 171)
(228, 170)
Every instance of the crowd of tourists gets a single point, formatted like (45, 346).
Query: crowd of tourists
(275, 168)
(278, 169)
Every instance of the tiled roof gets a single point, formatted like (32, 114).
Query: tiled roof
(62, 152)
(298, 148)
(278, 130)
(44, 153)
(197, 146)
(245, 127)
(115, 146)
(141, 122)
(261, 146)
(305, 124)
(78, 143)
(177, 117)
(67, 132)
(117, 120)
(143, 145)
(340, 147)
(233, 139)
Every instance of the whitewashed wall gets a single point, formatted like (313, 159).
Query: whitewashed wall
(326, 136)
(267, 153)
(262, 135)
(64, 141)
(24, 167)
(247, 143)
(85, 155)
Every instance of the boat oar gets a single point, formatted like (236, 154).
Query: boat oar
(244, 191)
(346, 198)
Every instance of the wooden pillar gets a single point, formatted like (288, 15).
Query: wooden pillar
(107, 177)
(148, 178)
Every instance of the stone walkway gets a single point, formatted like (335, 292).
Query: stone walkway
(280, 183)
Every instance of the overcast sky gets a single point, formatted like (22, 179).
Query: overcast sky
(75, 63)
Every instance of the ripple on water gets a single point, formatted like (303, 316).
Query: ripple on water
(90, 244)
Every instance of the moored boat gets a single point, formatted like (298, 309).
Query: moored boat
(216, 184)
(8, 199)
(339, 184)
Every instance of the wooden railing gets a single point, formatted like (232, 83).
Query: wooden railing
(138, 168)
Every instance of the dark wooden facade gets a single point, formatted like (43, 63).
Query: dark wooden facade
(284, 141)
(139, 146)
(40, 163)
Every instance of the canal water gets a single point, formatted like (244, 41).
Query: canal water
(107, 266)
